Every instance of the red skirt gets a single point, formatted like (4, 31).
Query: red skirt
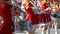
(44, 18)
(48, 17)
(32, 18)
(6, 28)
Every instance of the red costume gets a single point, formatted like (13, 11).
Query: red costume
(30, 13)
(58, 9)
(16, 12)
(55, 0)
(5, 13)
(44, 17)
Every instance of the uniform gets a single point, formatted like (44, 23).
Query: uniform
(31, 17)
(30, 14)
(45, 16)
(55, 0)
(5, 13)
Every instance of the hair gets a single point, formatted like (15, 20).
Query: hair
(44, 0)
(29, 0)
(5, 0)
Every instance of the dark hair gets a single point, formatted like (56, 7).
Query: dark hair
(6, 0)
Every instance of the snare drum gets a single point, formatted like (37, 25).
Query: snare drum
(58, 14)
(54, 15)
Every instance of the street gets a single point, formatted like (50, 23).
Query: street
(38, 31)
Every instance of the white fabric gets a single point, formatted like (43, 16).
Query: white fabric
(13, 3)
(56, 29)
(35, 1)
(48, 8)
(53, 10)
(21, 16)
(48, 30)
(1, 20)
(39, 3)
(34, 27)
(58, 13)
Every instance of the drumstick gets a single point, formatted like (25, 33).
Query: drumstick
(33, 4)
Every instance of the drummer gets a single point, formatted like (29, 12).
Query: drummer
(31, 17)
(55, 16)
(6, 15)
(56, 6)
(44, 17)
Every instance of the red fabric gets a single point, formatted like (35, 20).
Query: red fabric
(40, 18)
(16, 12)
(55, 0)
(30, 14)
(58, 9)
(44, 16)
(47, 17)
(44, 6)
(5, 12)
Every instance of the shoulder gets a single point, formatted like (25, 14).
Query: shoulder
(2, 5)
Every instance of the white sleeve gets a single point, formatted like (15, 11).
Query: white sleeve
(47, 8)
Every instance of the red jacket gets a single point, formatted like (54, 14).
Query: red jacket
(55, 0)
(44, 6)
(5, 12)
(30, 14)
(58, 9)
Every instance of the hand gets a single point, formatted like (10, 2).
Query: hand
(48, 8)
(1, 22)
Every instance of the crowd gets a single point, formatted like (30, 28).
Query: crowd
(27, 14)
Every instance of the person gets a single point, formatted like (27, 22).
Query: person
(44, 17)
(46, 11)
(56, 17)
(55, 1)
(14, 3)
(5, 13)
(38, 3)
(31, 18)
(55, 10)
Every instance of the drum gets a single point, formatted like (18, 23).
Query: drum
(54, 15)
(24, 25)
(58, 14)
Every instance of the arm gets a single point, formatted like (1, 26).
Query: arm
(1, 21)
(1, 24)
(33, 4)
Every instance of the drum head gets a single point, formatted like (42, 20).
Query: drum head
(54, 15)
(58, 14)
